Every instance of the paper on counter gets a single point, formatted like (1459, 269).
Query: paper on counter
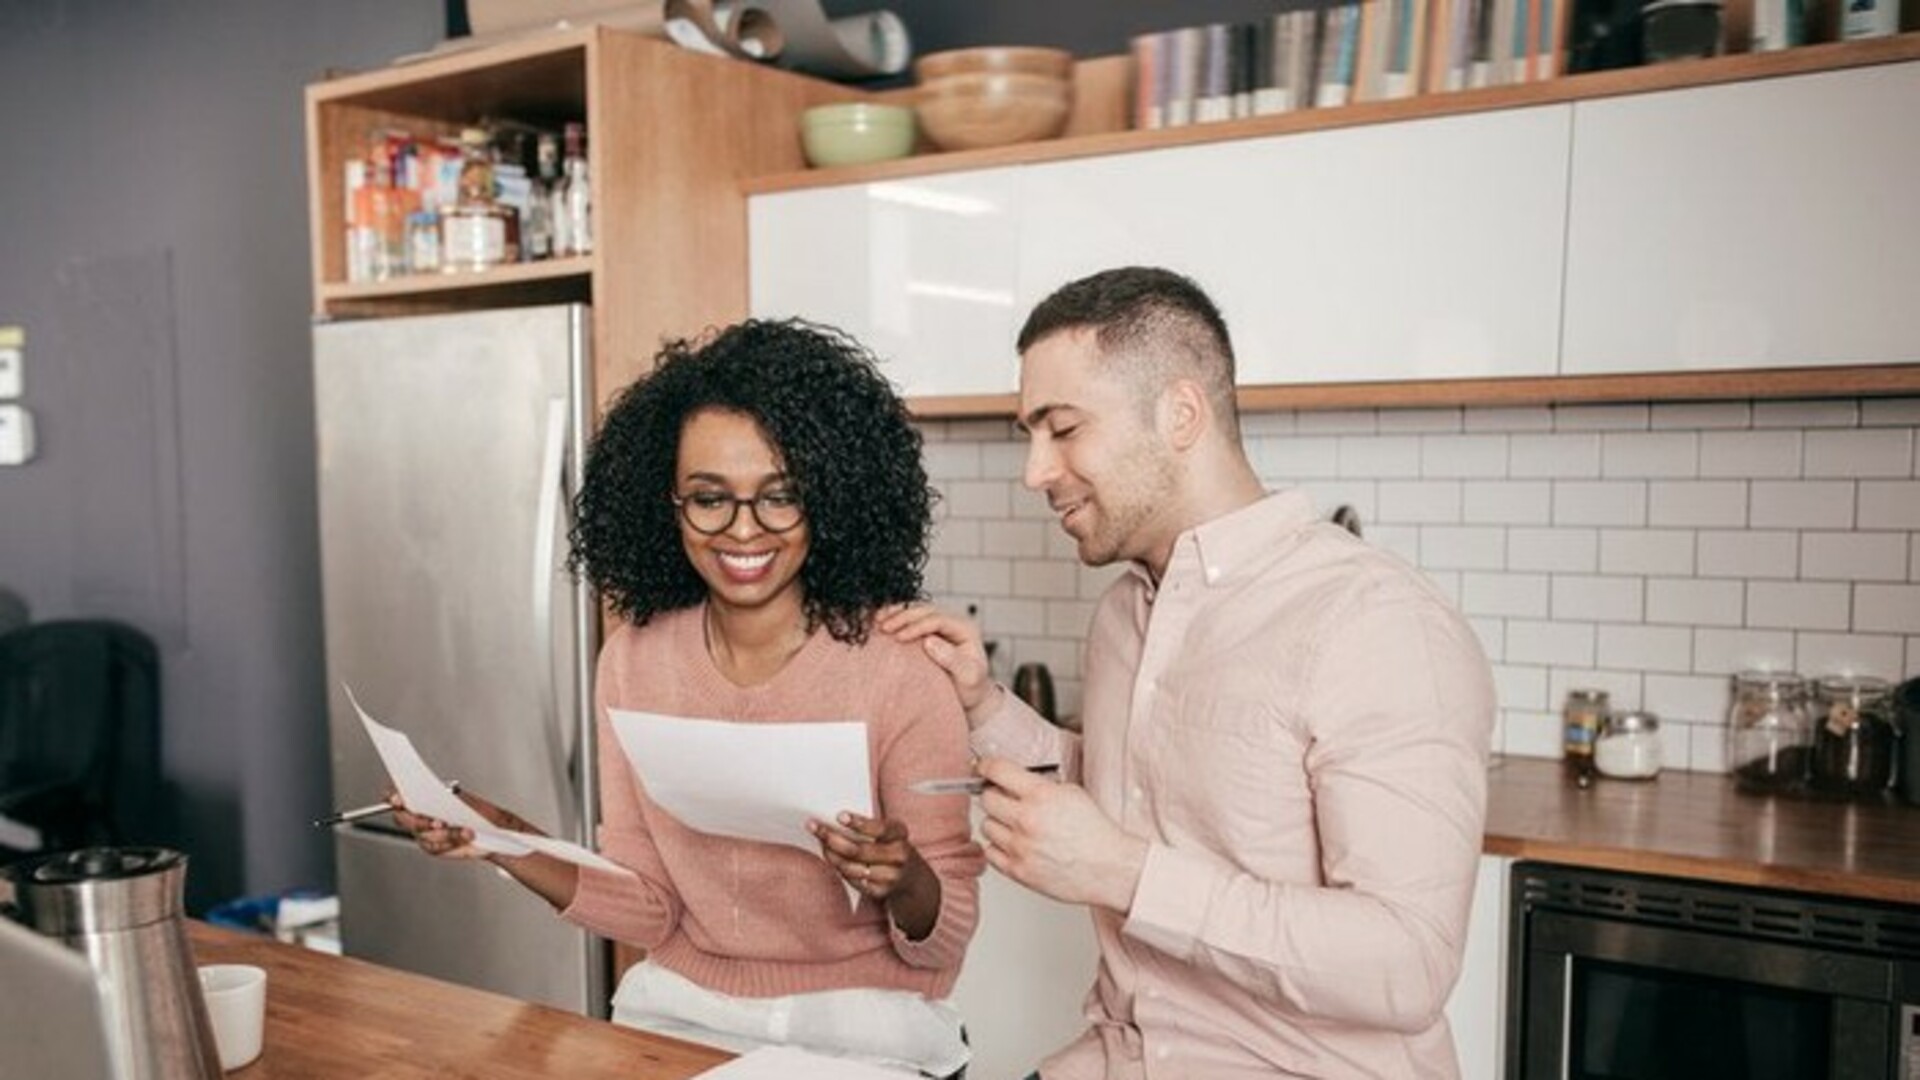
(790, 1063)
(749, 781)
(425, 793)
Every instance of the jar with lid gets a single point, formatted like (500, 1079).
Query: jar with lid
(477, 231)
(1852, 735)
(1769, 734)
(1628, 746)
(1580, 726)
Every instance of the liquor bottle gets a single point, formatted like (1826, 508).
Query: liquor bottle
(380, 218)
(476, 232)
(538, 235)
(576, 202)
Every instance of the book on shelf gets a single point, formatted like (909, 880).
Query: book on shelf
(1338, 50)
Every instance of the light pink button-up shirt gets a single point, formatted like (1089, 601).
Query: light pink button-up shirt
(1299, 726)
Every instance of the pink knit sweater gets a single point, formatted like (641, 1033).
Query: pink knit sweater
(761, 920)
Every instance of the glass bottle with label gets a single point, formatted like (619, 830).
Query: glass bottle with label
(538, 239)
(476, 232)
(575, 205)
(1580, 726)
(1769, 735)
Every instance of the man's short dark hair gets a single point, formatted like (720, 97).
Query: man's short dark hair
(1151, 325)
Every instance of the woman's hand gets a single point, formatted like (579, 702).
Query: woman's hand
(439, 838)
(877, 857)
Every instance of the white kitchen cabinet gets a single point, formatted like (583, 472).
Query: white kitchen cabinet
(1477, 1011)
(1771, 223)
(921, 270)
(1424, 249)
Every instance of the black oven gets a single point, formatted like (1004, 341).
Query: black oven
(1629, 977)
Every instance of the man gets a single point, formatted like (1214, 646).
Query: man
(1281, 785)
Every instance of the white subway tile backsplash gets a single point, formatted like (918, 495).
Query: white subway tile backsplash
(1516, 687)
(1062, 656)
(1851, 556)
(1009, 616)
(1698, 503)
(1096, 580)
(1458, 547)
(1330, 495)
(1848, 654)
(1492, 633)
(1645, 648)
(976, 430)
(1032, 506)
(1561, 644)
(1721, 652)
(955, 536)
(1006, 459)
(1802, 504)
(978, 498)
(1912, 667)
(1522, 595)
(1708, 752)
(1622, 687)
(1379, 456)
(1402, 540)
(1521, 418)
(1062, 546)
(1337, 422)
(1694, 602)
(1700, 699)
(1597, 599)
(1749, 553)
(1650, 454)
(1463, 455)
(1447, 582)
(1890, 412)
(1913, 560)
(1295, 458)
(1878, 452)
(934, 575)
(1531, 734)
(1567, 550)
(1068, 618)
(981, 577)
(1397, 421)
(1047, 579)
(1889, 504)
(951, 460)
(1013, 539)
(1506, 502)
(1553, 456)
(1805, 414)
(1798, 605)
(1749, 454)
(1600, 502)
(1419, 502)
(1632, 417)
(1701, 415)
(1646, 551)
(1889, 608)
(1255, 424)
(1676, 751)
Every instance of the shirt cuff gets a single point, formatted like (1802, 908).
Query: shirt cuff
(1016, 732)
(1170, 902)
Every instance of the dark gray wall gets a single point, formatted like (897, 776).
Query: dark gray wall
(153, 204)
(1082, 27)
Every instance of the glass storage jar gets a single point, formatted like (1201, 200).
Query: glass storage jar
(1579, 726)
(1628, 747)
(1769, 734)
(1853, 743)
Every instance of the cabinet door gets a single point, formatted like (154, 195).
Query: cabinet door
(920, 270)
(1477, 1011)
(1427, 249)
(1763, 224)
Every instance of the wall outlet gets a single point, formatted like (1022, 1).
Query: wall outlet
(13, 359)
(16, 435)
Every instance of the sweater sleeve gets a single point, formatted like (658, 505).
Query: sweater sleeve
(928, 739)
(643, 909)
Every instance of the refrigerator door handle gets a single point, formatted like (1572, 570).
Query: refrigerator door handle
(546, 523)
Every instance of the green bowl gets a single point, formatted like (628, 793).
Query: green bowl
(854, 133)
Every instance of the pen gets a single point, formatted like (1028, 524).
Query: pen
(968, 785)
(341, 817)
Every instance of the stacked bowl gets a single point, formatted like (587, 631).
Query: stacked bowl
(994, 96)
(855, 132)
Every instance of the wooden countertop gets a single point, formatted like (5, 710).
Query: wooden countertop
(330, 1017)
(1696, 825)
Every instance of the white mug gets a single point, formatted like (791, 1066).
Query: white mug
(237, 1003)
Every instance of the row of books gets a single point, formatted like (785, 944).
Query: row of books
(1369, 50)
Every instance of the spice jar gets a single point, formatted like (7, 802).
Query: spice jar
(1852, 735)
(1628, 746)
(1580, 726)
(1769, 735)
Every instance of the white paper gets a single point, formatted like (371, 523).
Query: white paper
(749, 781)
(789, 1063)
(425, 793)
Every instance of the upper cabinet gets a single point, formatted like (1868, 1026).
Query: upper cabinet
(671, 136)
(1427, 249)
(1764, 224)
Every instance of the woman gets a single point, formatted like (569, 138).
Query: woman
(747, 509)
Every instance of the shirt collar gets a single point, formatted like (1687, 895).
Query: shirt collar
(1228, 544)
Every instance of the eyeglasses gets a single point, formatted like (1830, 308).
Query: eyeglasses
(711, 513)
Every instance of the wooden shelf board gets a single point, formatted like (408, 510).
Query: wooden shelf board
(521, 282)
(1806, 59)
(540, 77)
(1878, 380)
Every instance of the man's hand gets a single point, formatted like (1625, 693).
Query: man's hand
(1051, 838)
(955, 644)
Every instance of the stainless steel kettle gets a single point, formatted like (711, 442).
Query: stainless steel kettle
(124, 909)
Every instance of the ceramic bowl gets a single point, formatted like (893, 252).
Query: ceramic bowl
(970, 111)
(997, 59)
(854, 133)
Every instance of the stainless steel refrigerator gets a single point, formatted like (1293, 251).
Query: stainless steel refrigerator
(449, 448)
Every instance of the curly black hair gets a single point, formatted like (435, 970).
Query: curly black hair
(841, 433)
